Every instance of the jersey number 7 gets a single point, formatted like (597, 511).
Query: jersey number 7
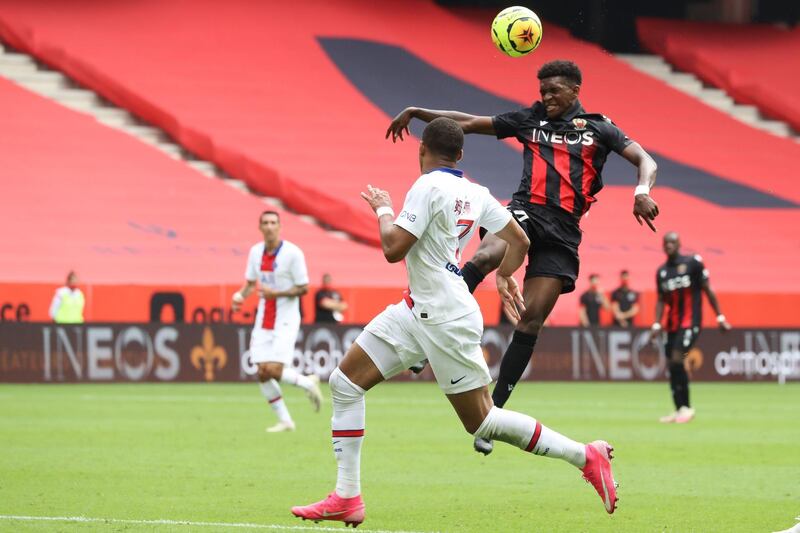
(465, 225)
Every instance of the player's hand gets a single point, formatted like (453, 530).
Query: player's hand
(645, 208)
(269, 293)
(399, 125)
(623, 322)
(655, 333)
(236, 302)
(376, 197)
(511, 297)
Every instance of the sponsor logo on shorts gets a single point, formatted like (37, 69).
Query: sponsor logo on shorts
(454, 381)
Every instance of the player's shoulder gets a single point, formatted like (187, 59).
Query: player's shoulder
(288, 247)
(597, 118)
(257, 248)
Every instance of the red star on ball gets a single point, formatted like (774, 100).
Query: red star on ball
(526, 35)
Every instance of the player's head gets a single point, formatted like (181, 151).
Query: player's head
(559, 86)
(270, 225)
(594, 280)
(72, 279)
(442, 143)
(672, 244)
(623, 278)
(326, 280)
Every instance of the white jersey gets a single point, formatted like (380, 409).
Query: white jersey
(280, 270)
(443, 210)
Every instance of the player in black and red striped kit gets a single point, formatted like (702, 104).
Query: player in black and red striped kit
(681, 282)
(564, 150)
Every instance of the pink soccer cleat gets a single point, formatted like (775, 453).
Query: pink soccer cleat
(598, 472)
(347, 510)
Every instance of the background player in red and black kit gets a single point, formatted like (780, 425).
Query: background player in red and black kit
(564, 149)
(681, 282)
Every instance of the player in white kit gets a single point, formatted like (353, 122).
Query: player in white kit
(439, 319)
(279, 268)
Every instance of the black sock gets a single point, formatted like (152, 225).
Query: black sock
(472, 276)
(679, 383)
(513, 365)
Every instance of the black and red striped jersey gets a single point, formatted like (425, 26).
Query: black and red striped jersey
(563, 157)
(680, 286)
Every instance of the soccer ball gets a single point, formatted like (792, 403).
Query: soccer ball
(516, 31)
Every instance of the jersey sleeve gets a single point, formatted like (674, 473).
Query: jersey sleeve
(417, 209)
(508, 124)
(251, 272)
(494, 217)
(612, 136)
(299, 269)
(700, 268)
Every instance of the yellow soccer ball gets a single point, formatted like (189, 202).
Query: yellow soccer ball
(516, 31)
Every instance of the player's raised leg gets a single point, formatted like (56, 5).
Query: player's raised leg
(482, 419)
(310, 384)
(540, 294)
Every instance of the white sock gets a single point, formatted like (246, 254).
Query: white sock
(272, 392)
(530, 435)
(348, 432)
(292, 377)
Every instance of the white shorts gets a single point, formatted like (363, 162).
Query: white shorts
(273, 345)
(396, 340)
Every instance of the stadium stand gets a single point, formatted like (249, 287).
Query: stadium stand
(755, 64)
(308, 126)
(77, 194)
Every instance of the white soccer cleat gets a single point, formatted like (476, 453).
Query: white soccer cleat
(281, 426)
(314, 394)
(685, 414)
(669, 419)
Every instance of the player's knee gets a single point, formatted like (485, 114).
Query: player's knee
(342, 389)
(264, 373)
(530, 323)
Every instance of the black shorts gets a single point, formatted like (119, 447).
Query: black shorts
(683, 340)
(555, 237)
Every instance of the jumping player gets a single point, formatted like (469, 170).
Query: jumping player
(280, 268)
(681, 282)
(564, 150)
(440, 320)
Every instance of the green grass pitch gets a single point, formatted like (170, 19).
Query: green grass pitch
(199, 453)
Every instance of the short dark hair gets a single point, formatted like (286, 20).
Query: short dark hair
(623, 273)
(443, 136)
(269, 212)
(561, 67)
(594, 276)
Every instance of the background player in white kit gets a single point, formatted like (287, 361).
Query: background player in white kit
(279, 267)
(439, 319)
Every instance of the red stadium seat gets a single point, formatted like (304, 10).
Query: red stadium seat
(755, 64)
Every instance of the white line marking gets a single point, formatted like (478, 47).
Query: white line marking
(164, 522)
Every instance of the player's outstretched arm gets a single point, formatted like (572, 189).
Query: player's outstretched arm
(469, 123)
(516, 251)
(644, 207)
